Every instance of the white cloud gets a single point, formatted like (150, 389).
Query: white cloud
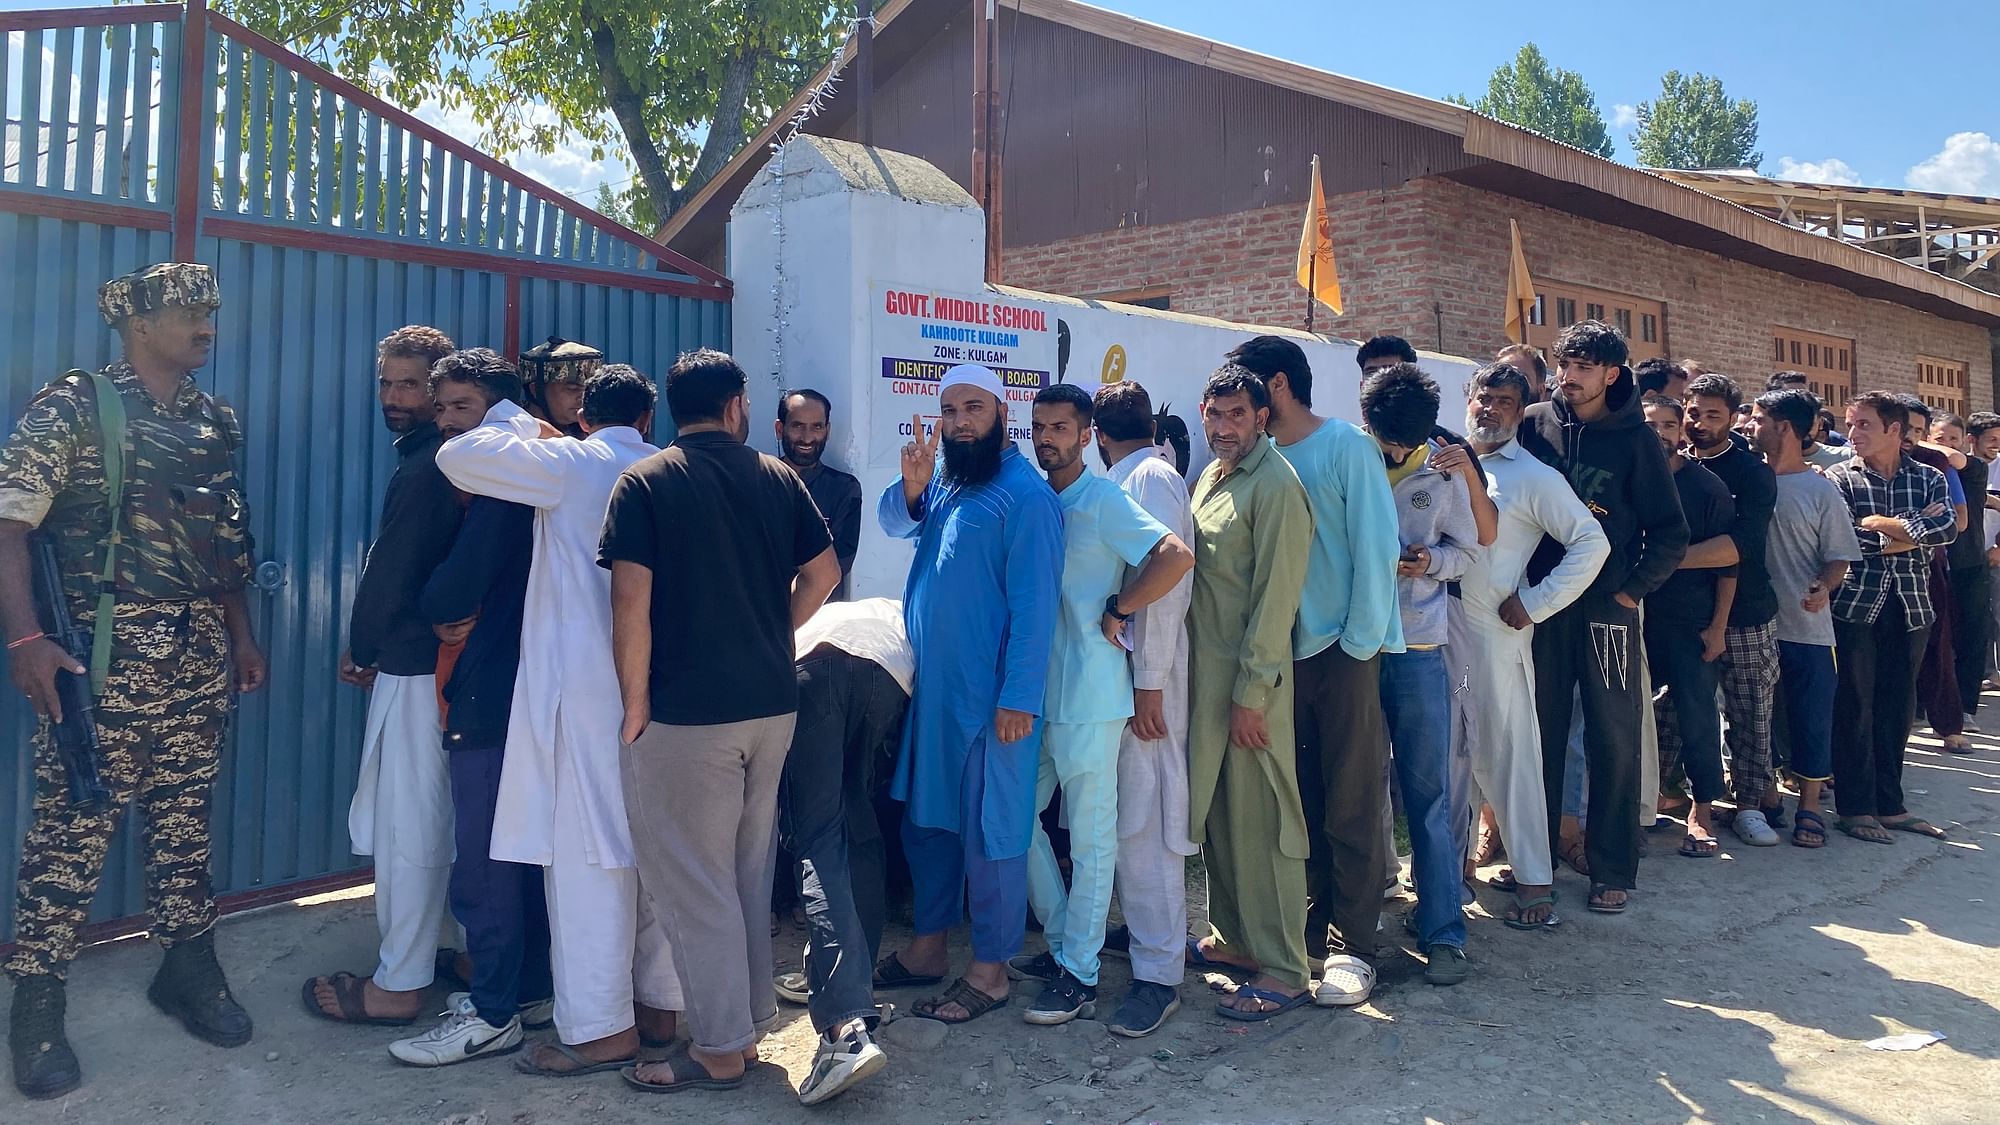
(1832, 170)
(1969, 164)
(570, 168)
(1624, 116)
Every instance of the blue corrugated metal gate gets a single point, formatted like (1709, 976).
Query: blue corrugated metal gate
(332, 219)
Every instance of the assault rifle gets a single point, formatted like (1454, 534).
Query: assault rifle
(76, 735)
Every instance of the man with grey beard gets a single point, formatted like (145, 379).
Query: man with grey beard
(1492, 628)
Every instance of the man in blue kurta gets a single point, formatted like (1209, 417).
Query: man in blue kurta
(981, 607)
(1089, 698)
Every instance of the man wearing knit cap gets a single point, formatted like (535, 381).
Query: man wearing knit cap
(981, 607)
(152, 547)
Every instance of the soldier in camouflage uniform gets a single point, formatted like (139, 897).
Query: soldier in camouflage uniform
(553, 374)
(181, 646)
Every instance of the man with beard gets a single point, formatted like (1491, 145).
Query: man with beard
(1347, 617)
(560, 805)
(981, 608)
(1089, 698)
(481, 589)
(1901, 510)
(1152, 754)
(805, 423)
(1749, 663)
(1492, 632)
(1686, 625)
(1253, 540)
(1593, 433)
(401, 813)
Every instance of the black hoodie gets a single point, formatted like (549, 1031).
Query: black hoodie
(1619, 471)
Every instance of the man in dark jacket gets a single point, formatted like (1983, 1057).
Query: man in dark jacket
(482, 586)
(1593, 432)
(401, 814)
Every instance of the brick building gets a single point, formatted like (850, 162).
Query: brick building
(1149, 166)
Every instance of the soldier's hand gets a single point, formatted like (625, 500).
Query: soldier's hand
(251, 667)
(34, 667)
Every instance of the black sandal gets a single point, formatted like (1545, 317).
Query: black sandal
(698, 1076)
(890, 972)
(962, 993)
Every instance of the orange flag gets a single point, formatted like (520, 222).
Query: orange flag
(1520, 290)
(1316, 273)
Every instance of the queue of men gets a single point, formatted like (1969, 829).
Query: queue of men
(607, 682)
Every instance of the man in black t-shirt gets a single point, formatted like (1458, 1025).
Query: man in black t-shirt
(1685, 624)
(717, 554)
(1750, 662)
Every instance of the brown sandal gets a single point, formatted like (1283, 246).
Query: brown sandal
(1576, 854)
(349, 991)
(962, 993)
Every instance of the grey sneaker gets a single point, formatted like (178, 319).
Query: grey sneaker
(1064, 999)
(839, 1065)
(791, 988)
(1041, 966)
(1146, 1007)
(1448, 966)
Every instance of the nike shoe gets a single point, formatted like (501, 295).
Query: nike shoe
(462, 1036)
(840, 1064)
(536, 1015)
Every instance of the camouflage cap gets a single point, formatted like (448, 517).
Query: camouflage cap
(160, 286)
(557, 360)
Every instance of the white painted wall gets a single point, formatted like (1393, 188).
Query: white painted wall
(811, 255)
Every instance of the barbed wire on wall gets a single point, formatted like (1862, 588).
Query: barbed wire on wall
(815, 104)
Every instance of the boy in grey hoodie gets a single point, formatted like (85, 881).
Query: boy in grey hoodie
(1440, 540)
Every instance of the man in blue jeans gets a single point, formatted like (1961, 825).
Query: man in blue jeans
(1440, 540)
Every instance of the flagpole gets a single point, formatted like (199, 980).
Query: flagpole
(1312, 286)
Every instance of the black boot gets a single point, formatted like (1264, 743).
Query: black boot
(190, 988)
(44, 1066)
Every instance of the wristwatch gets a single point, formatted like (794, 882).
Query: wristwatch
(1111, 609)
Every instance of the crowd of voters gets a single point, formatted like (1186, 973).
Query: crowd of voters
(620, 707)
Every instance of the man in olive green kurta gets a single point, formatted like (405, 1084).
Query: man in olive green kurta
(1253, 531)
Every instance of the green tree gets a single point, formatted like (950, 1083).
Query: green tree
(1551, 101)
(1694, 125)
(681, 83)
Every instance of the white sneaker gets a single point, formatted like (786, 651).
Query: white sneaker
(1344, 981)
(462, 1036)
(540, 1015)
(839, 1065)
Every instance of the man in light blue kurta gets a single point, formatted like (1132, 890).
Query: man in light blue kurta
(1089, 697)
(980, 606)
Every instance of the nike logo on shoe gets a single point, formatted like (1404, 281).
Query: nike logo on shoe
(472, 1048)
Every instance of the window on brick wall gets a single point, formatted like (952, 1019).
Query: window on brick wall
(1827, 361)
(1943, 382)
(1620, 310)
(1158, 297)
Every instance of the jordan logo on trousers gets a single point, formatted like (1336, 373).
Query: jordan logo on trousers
(1609, 642)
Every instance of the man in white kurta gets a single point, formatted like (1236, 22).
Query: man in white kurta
(1153, 843)
(1492, 629)
(562, 803)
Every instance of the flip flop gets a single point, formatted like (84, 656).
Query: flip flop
(526, 1063)
(1800, 831)
(1696, 847)
(701, 1079)
(1197, 959)
(1597, 906)
(348, 993)
(1855, 829)
(890, 972)
(1284, 1004)
(1915, 825)
(1513, 918)
(1503, 880)
(962, 993)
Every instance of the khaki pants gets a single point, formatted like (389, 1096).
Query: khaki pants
(703, 804)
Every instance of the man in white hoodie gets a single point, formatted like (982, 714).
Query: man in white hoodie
(562, 803)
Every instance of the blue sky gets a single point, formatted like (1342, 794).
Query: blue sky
(1831, 78)
(1838, 99)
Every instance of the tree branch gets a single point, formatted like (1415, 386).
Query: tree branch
(725, 127)
(628, 107)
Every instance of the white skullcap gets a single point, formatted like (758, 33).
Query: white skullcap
(973, 375)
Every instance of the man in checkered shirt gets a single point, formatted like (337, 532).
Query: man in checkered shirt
(1881, 615)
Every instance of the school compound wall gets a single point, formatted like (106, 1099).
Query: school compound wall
(1428, 261)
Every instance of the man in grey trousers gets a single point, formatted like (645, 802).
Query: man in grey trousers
(716, 555)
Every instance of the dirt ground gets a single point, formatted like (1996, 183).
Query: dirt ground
(1737, 990)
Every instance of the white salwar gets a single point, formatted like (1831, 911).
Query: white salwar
(1495, 662)
(402, 816)
(1153, 843)
(562, 803)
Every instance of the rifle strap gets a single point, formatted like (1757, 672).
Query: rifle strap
(111, 440)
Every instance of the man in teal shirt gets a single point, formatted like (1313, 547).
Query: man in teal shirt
(1348, 617)
(1088, 698)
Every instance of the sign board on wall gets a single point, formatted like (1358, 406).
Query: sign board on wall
(919, 334)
